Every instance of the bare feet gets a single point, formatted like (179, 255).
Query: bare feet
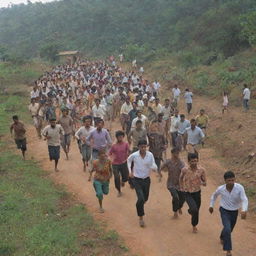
(101, 210)
(195, 230)
(180, 211)
(119, 194)
(122, 184)
(175, 216)
(56, 170)
(229, 253)
(142, 223)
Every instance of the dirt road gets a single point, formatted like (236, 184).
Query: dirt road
(162, 236)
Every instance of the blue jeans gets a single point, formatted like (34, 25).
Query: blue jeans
(246, 104)
(229, 221)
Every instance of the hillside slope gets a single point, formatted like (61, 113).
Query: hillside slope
(140, 28)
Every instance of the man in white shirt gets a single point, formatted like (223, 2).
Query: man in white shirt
(98, 110)
(174, 127)
(84, 146)
(156, 87)
(233, 197)
(188, 100)
(52, 133)
(124, 113)
(33, 109)
(143, 162)
(182, 125)
(141, 117)
(195, 137)
(34, 94)
(246, 97)
(176, 95)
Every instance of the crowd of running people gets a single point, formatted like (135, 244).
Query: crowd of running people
(75, 102)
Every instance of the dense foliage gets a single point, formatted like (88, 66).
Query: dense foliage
(198, 30)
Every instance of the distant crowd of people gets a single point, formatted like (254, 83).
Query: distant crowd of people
(77, 101)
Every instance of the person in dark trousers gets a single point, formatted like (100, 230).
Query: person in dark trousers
(19, 134)
(191, 179)
(120, 152)
(157, 145)
(174, 166)
(143, 163)
(233, 197)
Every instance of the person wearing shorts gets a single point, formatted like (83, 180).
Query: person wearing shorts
(103, 172)
(19, 134)
(120, 152)
(52, 133)
(82, 133)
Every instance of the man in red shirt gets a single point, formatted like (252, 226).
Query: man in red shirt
(120, 151)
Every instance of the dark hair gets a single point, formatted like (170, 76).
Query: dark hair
(228, 175)
(245, 85)
(192, 156)
(15, 117)
(138, 122)
(166, 100)
(182, 115)
(175, 150)
(154, 122)
(192, 120)
(52, 119)
(102, 151)
(98, 121)
(119, 133)
(142, 142)
(86, 118)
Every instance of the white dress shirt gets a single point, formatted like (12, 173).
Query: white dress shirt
(142, 166)
(233, 200)
(143, 119)
(247, 93)
(176, 93)
(188, 97)
(174, 123)
(125, 109)
(194, 136)
(99, 111)
(83, 133)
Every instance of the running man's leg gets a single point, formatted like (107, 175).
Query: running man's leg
(175, 201)
(194, 201)
(124, 173)
(228, 220)
(116, 172)
(138, 185)
(99, 193)
(146, 187)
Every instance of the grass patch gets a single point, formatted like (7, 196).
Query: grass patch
(38, 218)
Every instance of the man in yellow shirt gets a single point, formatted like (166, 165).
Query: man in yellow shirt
(202, 120)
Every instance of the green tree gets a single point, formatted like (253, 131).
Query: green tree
(50, 51)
